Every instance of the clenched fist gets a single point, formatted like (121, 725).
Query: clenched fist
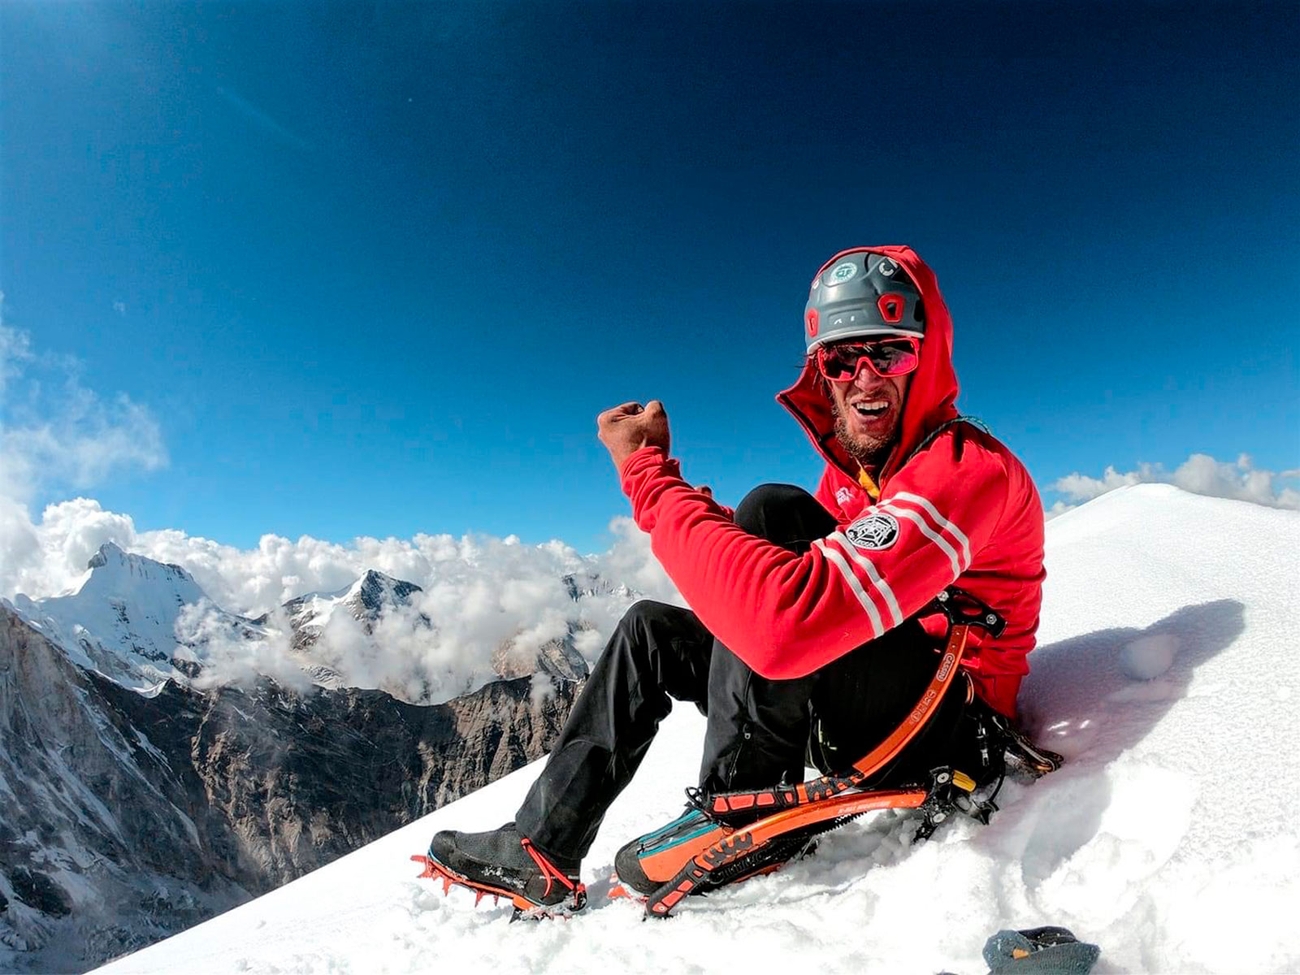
(626, 428)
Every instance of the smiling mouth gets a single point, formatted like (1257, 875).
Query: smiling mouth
(870, 409)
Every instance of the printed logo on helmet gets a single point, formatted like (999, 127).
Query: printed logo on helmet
(887, 267)
(875, 531)
(841, 272)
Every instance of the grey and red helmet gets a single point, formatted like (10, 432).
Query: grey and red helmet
(861, 293)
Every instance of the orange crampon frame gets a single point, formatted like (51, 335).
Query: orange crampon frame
(824, 803)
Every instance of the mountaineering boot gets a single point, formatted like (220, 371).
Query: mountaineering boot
(650, 861)
(503, 863)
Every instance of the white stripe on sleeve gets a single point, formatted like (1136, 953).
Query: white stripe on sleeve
(873, 574)
(915, 518)
(837, 560)
(939, 520)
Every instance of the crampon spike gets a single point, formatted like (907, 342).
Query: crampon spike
(524, 909)
(428, 866)
(561, 912)
(619, 891)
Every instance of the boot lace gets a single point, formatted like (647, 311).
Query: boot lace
(549, 870)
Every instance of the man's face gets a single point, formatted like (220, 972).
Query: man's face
(868, 411)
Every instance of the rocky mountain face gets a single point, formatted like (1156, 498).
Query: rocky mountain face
(556, 658)
(99, 850)
(132, 809)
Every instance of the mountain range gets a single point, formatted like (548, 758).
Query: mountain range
(146, 786)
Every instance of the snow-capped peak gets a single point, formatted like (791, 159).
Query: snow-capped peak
(114, 572)
(375, 592)
(121, 619)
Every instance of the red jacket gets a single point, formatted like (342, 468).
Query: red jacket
(955, 506)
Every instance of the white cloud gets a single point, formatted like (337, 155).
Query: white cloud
(1081, 487)
(82, 445)
(48, 557)
(479, 574)
(479, 593)
(15, 349)
(1199, 474)
(55, 433)
(229, 658)
(20, 548)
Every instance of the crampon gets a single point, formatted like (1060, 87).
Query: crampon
(524, 908)
(738, 835)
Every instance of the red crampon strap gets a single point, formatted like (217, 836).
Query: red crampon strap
(549, 870)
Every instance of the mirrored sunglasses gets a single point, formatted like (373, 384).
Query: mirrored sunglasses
(885, 357)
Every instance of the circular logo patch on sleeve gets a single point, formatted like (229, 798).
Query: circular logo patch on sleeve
(876, 531)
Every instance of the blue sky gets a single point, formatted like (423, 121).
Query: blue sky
(372, 269)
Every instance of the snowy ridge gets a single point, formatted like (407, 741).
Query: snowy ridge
(121, 619)
(140, 622)
(1169, 838)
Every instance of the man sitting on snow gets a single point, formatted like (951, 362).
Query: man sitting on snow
(806, 639)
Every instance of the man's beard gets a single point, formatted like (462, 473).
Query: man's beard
(870, 453)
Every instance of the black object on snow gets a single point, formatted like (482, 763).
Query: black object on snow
(1039, 951)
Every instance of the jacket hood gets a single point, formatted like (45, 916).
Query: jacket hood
(931, 396)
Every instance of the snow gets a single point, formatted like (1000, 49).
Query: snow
(1169, 837)
(121, 619)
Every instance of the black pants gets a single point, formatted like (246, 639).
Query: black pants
(760, 731)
